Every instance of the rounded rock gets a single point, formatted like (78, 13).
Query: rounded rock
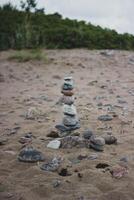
(98, 141)
(30, 155)
(87, 134)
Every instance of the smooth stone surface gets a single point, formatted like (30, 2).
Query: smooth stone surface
(87, 134)
(54, 144)
(98, 140)
(69, 110)
(110, 139)
(68, 92)
(64, 128)
(105, 118)
(52, 165)
(70, 120)
(67, 100)
(30, 155)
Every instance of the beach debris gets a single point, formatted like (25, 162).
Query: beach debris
(53, 165)
(105, 118)
(54, 144)
(70, 120)
(29, 154)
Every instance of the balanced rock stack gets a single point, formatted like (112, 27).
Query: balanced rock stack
(70, 120)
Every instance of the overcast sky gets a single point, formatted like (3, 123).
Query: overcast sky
(115, 14)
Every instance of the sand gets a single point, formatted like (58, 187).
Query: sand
(98, 79)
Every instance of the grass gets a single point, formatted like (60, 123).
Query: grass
(28, 55)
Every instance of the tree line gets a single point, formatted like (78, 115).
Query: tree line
(30, 27)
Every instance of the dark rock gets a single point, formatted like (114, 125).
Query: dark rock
(3, 141)
(64, 128)
(29, 135)
(82, 157)
(53, 133)
(110, 139)
(67, 86)
(87, 134)
(64, 172)
(30, 155)
(102, 165)
(70, 120)
(105, 118)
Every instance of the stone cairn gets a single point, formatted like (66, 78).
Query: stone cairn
(70, 120)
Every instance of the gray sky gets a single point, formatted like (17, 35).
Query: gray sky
(115, 14)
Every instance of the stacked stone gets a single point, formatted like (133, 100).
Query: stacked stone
(70, 120)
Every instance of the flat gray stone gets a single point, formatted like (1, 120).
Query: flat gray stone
(105, 118)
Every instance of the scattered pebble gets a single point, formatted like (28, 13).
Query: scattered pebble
(105, 118)
(52, 166)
